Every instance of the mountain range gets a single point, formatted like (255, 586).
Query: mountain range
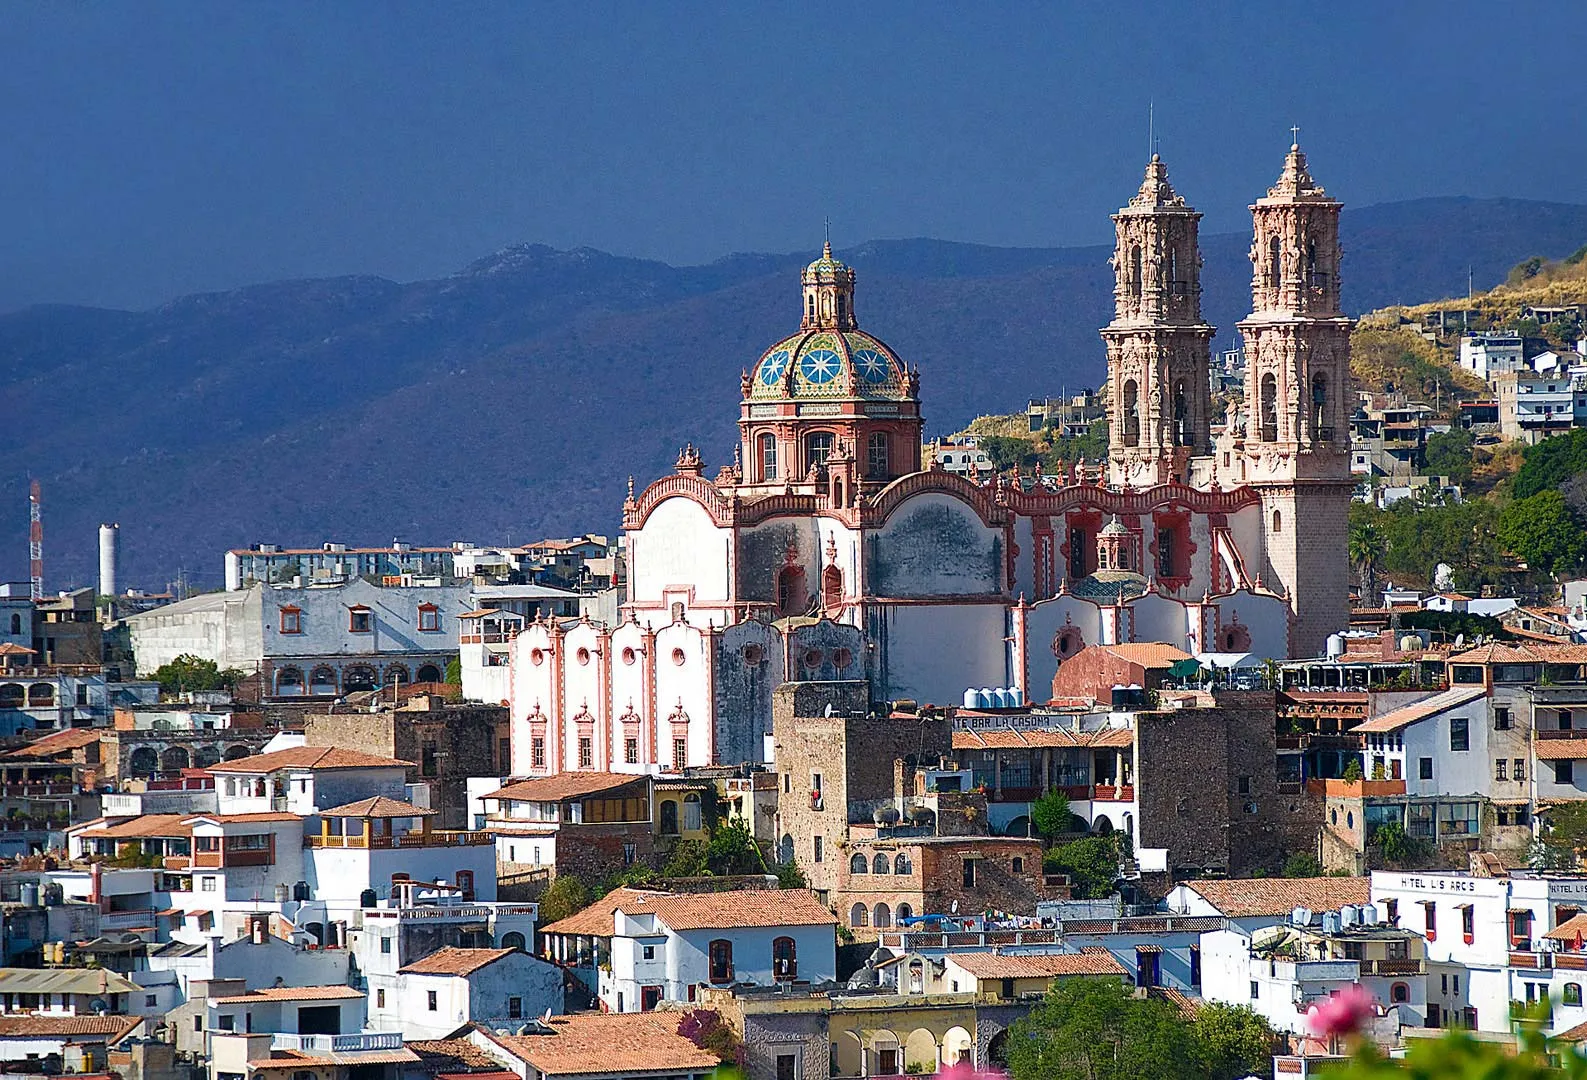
(514, 398)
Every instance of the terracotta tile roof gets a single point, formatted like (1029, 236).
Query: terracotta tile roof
(700, 911)
(1569, 929)
(308, 757)
(296, 1059)
(1420, 710)
(10, 648)
(568, 785)
(1186, 1005)
(291, 993)
(1562, 749)
(1147, 653)
(1039, 738)
(377, 807)
(146, 825)
(991, 965)
(452, 1053)
(237, 819)
(53, 1027)
(1239, 898)
(57, 742)
(1574, 1035)
(480, 614)
(610, 1043)
(454, 961)
(1501, 653)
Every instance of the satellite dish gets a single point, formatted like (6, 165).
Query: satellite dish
(98, 1007)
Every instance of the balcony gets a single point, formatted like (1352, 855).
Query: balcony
(434, 838)
(359, 1042)
(1571, 961)
(1114, 793)
(1394, 967)
(1522, 959)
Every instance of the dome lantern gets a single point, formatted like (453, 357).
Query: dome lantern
(828, 294)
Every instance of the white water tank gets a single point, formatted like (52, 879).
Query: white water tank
(1336, 646)
(1349, 915)
(971, 699)
(1018, 697)
(109, 544)
(1369, 915)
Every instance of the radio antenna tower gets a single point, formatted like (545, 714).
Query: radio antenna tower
(35, 543)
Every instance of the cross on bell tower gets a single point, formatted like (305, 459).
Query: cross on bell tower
(1158, 344)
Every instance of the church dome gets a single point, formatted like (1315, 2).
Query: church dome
(829, 364)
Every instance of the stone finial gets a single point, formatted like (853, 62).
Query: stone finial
(689, 461)
(630, 488)
(1155, 189)
(1295, 180)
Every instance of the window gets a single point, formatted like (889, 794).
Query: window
(206, 884)
(1520, 929)
(1019, 865)
(1255, 990)
(198, 1023)
(149, 1000)
(630, 853)
(1498, 769)
(816, 844)
(1468, 922)
(720, 952)
(360, 620)
(859, 864)
(586, 752)
(1564, 772)
(768, 457)
(380, 999)
(901, 864)
(680, 752)
(783, 961)
(1564, 719)
(969, 873)
(1459, 733)
(1518, 769)
(1244, 785)
(1501, 718)
(515, 1008)
(669, 817)
(291, 620)
(1424, 768)
(631, 751)
(429, 999)
(1430, 910)
(818, 447)
(1572, 994)
(882, 865)
(429, 618)
(537, 752)
(876, 455)
(1399, 993)
(787, 1066)
(859, 915)
(227, 1023)
(385, 944)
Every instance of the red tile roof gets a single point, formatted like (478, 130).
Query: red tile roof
(291, 993)
(309, 757)
(454, 961)
(568, 785)
(700, 911)
(1038, 738)
(1239, 898)
(149, 826)
(610, 1043)
(992, 965)
(1147, 653)
(57, 742)
(1420, 710)
(1569, 930)
(1562, 749)
(377, 807)
(1500, 653)
(54, 1027)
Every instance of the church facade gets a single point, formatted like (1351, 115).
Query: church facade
(824, 551)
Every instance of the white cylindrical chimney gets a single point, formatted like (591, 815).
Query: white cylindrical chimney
(109, 541)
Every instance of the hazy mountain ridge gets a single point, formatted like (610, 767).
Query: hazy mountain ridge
(517, 394)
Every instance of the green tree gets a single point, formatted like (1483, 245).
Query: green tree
(1542, 530)
(1006, 452)
(1092, 866)
(1550, 463)
(1095, 1029)
(567, 895)
(688, 859)
(1092, 446)
(1051, 815)
(1366, 551)
(454, 672)
(1302, 864)
(790, 876)
(1233, 1041)
(732, 850)
(1448, 453)
(1563, 838)
(192, 673)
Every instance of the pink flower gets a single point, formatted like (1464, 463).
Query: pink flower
(1343, 1013)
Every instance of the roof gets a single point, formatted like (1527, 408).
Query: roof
(145, 825)
(1421, 710)
(1569, 930)
(290, 993)
(1575, 1035)
(56, 742)
(451, 1053)
(63, 981)
(377, 807)
(308, 757)
(569, 785)
(1146, 653)
(11, 648)
(992, 965)
(699, 911)
(610, 1043)
(454, 961)
(1038, 738)
(1501, 653)
(829, 363)
(61, 1027)
(1562, 749)
(296, 1059)
(1240, 898)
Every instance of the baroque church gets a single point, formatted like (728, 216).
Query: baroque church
(825, 551)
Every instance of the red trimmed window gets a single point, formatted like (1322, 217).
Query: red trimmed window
(429, 618)
(721, 954)
(1520, 929)
(291, 619)
(360, 620)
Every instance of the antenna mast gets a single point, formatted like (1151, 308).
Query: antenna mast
(35, 543)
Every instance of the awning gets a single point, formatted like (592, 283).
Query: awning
(1148, 948)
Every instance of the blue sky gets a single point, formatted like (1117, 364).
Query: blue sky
(154, 149)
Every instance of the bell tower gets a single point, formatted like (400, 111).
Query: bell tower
(1297, 386)
(829, 294)
(1158, 345)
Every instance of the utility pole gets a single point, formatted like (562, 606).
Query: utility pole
(35, 544)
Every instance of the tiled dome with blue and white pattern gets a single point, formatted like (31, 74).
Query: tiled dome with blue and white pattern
(829, 364)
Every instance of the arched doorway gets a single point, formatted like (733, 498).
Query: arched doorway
(428, 673)
(175, 759)
(205, 756)
(358, 678)
(145, 761)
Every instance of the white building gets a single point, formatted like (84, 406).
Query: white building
(1492, 354)
(499, 988)
(1438, 746)
(652, 947)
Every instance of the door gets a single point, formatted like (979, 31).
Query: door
(649, 998)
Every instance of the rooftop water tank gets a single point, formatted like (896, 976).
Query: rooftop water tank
(1330, 922)
(971, 699)
(1019, 697)
(1349, 915)
(1336, 646)
(1369, 915)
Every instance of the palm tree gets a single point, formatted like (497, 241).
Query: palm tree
(1366, 550)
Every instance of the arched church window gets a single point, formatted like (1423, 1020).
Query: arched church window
(1078, 545)
(810, 306)
(1176, 287)
(842, 307)
(1278, 522)
(1319, 407)
(1269, 408)
(1165, 553)
(1313, 278)
(1135, 270)
(1132, 413)
(791, 591)
(1181, 414)
(831, 588)
(1274, 261)
(768, 457)
(818, 447)
(876, 455)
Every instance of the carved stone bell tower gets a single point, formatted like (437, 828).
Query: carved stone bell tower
(1158, 345)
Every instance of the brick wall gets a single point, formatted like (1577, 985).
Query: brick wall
(1093, 672)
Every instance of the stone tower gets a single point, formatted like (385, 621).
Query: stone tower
(1158, 359)
(1297, 389)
